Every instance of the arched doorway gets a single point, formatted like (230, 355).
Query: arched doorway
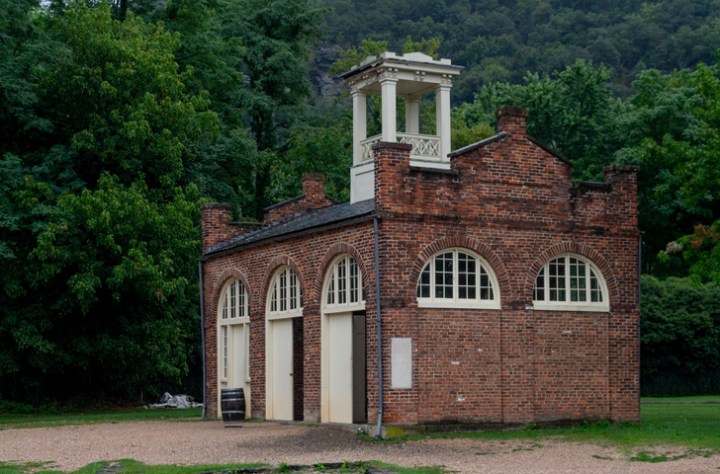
(234, 340)
(343, 354)
(284, 347)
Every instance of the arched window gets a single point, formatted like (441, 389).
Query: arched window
(233, 338)
(234, 301)
(457, 278)
(285, 295)
(344, 285)
(571, 283)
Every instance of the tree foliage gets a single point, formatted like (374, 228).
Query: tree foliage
(680, 337)
(673, 128)
(499, 41)
(99, 295)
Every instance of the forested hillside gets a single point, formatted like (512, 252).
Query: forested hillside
(118, 119)
(503, 40)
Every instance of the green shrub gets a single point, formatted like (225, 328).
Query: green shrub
(680, 337)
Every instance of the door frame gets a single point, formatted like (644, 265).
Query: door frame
(330, 311)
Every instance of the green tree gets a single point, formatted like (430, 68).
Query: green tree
(674, 122)
(571, 111)
(118, 99)
(275, 37)
(118, 288)
(98, 285)
(680, 337)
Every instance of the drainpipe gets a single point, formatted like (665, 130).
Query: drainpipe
(639, 290)
(202, 338)
(378, 323)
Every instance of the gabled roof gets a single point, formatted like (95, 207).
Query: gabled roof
(313, 219)
(479, 144)
(499, 137)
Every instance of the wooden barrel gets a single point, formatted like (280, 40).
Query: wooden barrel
(232, 402)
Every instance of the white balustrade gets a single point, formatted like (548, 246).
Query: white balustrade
(424, 147)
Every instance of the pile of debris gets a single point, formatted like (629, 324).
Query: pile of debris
(175, 401)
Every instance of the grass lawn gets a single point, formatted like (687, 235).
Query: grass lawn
(10, 421)
(692, 424)
(129, 466)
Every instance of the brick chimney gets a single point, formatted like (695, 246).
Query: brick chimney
(511, 120)
(215, 223)
(392, 165)
(313, 186)
(313, 197)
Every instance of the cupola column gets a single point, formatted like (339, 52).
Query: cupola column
(359, 101)
(412, 115)
(389, 114)
(442, 116)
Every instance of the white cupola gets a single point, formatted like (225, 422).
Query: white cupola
(409, 76)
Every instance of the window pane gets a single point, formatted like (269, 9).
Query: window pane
(444, 275)
(556, 270)
(577, 280)
(331, 289)
(273, 298)
(283, 291)
(242, 298)
(539, 292)
(424, 286)
(342, 282)
(233, 304)
(595, 291)
(467, 278)
(354, 282)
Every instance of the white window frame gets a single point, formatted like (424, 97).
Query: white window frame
(285, 298)
(234, 309)
(456, 302)
(340, 284)
(547, 304)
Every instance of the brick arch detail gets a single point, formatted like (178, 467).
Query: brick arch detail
(219, 285)
(577, 248)
(273, 266)
(335, 250)
(497, 266)
(225, 276)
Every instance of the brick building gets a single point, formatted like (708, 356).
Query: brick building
(478, 286)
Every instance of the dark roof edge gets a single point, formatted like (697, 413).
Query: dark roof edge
(293, 200)
(276, 238)
(476, 145)
(591, 185)
(288, 201)
(549, 150)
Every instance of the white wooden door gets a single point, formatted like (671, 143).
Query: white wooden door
(238, 374)
(340, 369)
(282, 369)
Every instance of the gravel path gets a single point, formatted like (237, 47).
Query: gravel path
(208, 442)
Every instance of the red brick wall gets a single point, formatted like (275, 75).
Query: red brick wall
(309, 257)
(514, 204)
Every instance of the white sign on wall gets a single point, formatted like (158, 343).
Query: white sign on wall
(401, 362)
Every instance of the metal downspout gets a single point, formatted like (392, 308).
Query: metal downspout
(378, 323)
(202, 338)
(639, 296)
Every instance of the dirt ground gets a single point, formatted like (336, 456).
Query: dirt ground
(208, 442)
